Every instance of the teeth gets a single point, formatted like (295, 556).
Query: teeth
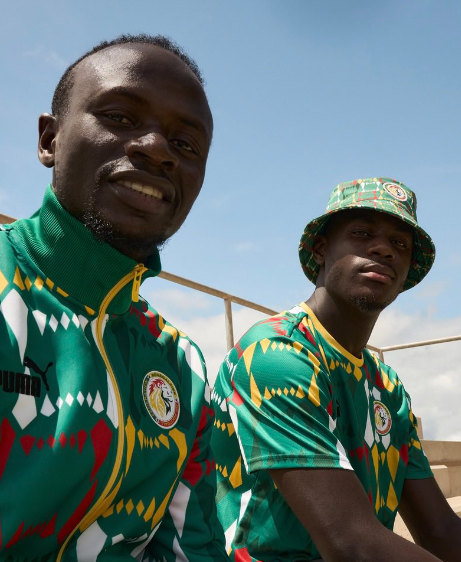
(141, 188)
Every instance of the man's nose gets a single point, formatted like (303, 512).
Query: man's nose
(382, 246)
(153, 147)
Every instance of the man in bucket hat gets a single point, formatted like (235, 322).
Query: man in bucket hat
(315, 441)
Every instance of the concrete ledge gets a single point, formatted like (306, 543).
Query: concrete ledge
(455, 504)
(442, 452)
(442, 476)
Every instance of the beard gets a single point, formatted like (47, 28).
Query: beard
(106, 232)
(362, 297)
(368, 303)
(132, 245)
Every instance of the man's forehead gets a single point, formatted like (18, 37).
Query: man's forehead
(370, 216)
(142, 68)
(132, 60)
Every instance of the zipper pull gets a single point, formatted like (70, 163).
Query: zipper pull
(138, 271)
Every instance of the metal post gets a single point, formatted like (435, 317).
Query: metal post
(229, 325)
(381, 356)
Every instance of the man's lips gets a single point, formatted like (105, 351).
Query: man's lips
(152, 187)
(379, 272)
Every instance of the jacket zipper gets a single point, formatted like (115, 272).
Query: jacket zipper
(89, 518)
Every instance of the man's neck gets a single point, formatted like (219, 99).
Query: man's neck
(350, 326)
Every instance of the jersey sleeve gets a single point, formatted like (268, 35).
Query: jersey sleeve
(190, 530)
(281, 407)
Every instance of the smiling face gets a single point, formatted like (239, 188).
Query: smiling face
(129, 154)
(365, 257)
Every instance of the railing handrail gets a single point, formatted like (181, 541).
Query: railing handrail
(229, 299)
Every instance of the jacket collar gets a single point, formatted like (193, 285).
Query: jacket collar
(66, 254)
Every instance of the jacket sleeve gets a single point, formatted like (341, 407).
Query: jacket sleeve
(190, 530)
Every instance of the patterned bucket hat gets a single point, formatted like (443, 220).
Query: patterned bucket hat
(380, 194)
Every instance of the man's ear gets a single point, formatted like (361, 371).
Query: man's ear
(319, 249)
(47, 128)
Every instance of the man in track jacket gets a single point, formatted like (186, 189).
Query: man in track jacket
(105, 412)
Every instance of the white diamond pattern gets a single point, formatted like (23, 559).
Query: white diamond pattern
(25, 410)
(40, 318)
(97, 405)
(89, 399)
(59, 402)
(65, 321)
(69, 399)
(47, 407)
(80, 398)
(76, 321)
(53, 323)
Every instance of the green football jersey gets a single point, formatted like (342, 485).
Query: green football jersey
(289, 396)
(105, 413)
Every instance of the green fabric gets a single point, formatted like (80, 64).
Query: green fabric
(379, 194)
(59, 245)
(60, 425)
(289, 396)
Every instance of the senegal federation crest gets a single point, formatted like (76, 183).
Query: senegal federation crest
(383, 419)
(161, 399)
(396, 191)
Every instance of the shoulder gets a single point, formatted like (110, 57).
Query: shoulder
(9, 250)
(276, 351)
(279, 327)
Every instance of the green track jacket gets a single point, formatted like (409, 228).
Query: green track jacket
(105, 413)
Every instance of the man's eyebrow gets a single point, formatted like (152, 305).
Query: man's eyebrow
(124, 92)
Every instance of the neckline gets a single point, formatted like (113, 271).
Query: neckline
(66, 254)
(358, 362)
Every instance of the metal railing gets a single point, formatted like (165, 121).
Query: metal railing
(228, 299)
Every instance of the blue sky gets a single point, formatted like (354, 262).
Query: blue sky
(305, 94)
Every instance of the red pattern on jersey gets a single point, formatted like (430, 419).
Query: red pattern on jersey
(101, 436)
(242, 555)
(404, 453)
(7, 436)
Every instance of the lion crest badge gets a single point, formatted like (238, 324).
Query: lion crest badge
(161, 399)
(383, 418)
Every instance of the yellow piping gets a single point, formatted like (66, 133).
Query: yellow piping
(98, 507)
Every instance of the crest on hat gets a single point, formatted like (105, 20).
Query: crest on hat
(396, 191)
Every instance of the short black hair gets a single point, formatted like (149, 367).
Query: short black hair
(61, 93)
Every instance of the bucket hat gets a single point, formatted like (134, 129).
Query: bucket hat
(384, 195)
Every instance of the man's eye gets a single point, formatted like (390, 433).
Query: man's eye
(183, 144)
(119, 117)
(401, 243)
(360, 232)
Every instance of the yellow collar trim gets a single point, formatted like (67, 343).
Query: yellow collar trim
(330, 339)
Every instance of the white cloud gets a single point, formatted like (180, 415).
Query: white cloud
(49, 56)
(431, 291)
(175, 301)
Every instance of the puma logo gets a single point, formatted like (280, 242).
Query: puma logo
(32, 365)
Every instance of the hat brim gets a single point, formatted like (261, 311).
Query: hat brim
(422, 258)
